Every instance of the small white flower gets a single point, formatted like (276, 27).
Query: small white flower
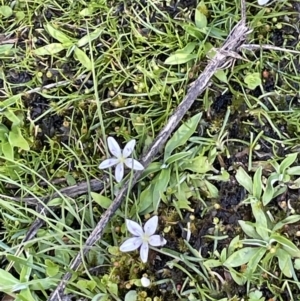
(263, 2)
(145, 281)
(121, 158)
(142, 238)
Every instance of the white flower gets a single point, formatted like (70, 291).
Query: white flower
(121, 158)
(142, 238)
(145, 281)
(263, 2)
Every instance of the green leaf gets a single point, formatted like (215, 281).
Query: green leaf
(101, 200)
(212, 263)
(5, 48)
(237, 277)
(286, 243)
(63, 255)
(70, 180)
(101, 297)
(188, 49)
(25, 295)
(182, 195)
(261, 220)
(44, 283)
(112, 288)
(200, 18)
(209, 50)
(7, 150)
(8, 283)
(131, 296)
(212, 189)
(146, 202)
(56, 202)
(244, 179)
(160, 186)
(9, 114)
(153, 168)
(52, 269)
(233, 245)
(87, 284)
(26, 269)
(86, 12)
(240, 257)
(287, 162)
(179, 58)
(289, 220)
(256, 296)
(254, 261)
(15, 99)
(252, 80)
(295, 184)
(90, 37)
(224, 176)
(285, 262)
(16, 139)
(249, 229)
(20, 15)
(192, 30)
(221, 76)
(217, 33)
(294, 171)
(182, 203)
(58, 35)
(177, 157)
(199, 164)
(269, 190)
(257, 183)
(297, 264)
(3, 133)
(279, 190)
(83, 58)
(49, 49)
(6, 11)
(181, 136)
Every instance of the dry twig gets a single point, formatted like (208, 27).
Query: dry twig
(267, 47)
(41, 203)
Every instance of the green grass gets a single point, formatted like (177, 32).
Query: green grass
(73, 73)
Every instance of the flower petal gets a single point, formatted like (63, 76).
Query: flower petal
(263, 2)
(151, 225)
(133, 164)
(114, 147)
(157, 241)
(145, 281)
(134, 228)
(131, 244)
(119, 172)
(128, 149)
(108, 163)
(144, 252)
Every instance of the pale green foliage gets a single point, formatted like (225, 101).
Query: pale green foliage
(276, 183)
(263, 233)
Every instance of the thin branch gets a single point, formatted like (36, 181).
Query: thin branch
(40, 203)
(235, 39)
(267, 47)
(54, 85)
(71, 191)
(8, 41)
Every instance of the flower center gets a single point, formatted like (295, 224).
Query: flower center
(145, 238)
(122, 159)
